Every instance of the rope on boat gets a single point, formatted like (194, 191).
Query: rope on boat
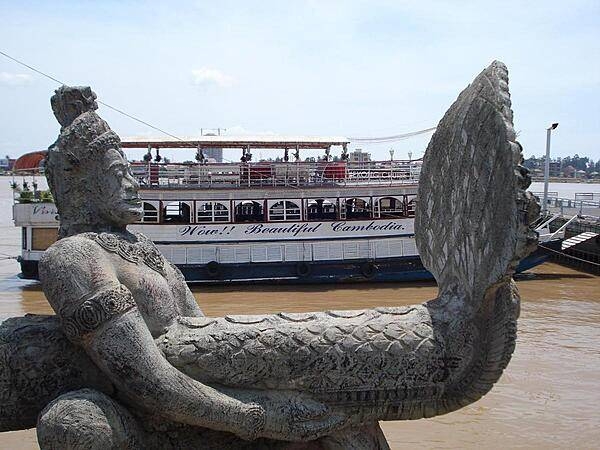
(50, 77)
(394, 138)
(372, 140)
(566, 255)
(365, 140)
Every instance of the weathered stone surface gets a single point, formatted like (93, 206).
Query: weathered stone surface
(472, 223)
(171, 378)
(37, 364)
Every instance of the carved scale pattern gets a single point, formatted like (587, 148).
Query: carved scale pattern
(346, 357)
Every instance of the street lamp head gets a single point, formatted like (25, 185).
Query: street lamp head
(553, 126)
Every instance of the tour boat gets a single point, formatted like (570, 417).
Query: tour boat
(323, 220)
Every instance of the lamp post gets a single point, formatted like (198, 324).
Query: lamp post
(547, 165)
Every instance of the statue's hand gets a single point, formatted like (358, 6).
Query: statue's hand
(289, 416)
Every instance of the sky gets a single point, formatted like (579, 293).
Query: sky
(334, 68)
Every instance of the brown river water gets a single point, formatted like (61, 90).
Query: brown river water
(549, 396)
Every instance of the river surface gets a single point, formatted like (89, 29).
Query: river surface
(549, 396)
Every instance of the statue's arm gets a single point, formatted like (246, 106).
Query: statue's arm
(99, 314)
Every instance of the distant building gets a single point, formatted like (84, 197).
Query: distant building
(555, 169)
(569, 171)
(6, 163)
(358, 156)
(213, 154)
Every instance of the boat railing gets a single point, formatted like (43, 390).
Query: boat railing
(541, 194)
(570, 207)
(275, 174)
(588, 196)
(28, 190)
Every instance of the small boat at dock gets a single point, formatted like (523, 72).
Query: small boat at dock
(573, 241)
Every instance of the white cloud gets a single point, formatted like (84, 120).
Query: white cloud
(15, 79)
(206, 76)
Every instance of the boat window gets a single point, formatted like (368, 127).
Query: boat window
(391, 207)
(212, 212)
(177, 212)
(150, 213)
(42, 238)
(284, 210)
(321, 209)
(358, 208)
(249, 211)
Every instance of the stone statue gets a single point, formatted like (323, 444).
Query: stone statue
(143, 368)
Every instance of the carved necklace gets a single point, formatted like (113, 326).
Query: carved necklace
(142, 251)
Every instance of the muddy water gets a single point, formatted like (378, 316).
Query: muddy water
(549, 397)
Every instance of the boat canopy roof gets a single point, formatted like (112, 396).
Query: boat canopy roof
(266, 141)
(29, 161)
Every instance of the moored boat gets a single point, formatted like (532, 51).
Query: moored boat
(268, 221)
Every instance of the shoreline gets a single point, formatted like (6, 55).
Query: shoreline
(566, 180)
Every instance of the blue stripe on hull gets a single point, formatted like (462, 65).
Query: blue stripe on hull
(532, 261)
(388, 270)
(396, 269)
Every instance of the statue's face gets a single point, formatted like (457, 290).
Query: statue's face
(117, 201)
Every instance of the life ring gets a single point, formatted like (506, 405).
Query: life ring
(303, 269)
(368, 269)
(214, 269)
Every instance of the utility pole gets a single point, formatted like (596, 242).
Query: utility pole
(547, 165)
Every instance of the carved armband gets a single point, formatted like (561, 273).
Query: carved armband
(92, 313)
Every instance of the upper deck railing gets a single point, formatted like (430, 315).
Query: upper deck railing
(276, 174)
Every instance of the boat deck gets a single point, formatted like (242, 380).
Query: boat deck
(275, 174)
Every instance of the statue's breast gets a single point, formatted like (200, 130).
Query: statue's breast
(152, 292)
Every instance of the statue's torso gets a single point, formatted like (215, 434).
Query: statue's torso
(160, 292)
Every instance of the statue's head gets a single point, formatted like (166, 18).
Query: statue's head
(87, 171)
(69, 102)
